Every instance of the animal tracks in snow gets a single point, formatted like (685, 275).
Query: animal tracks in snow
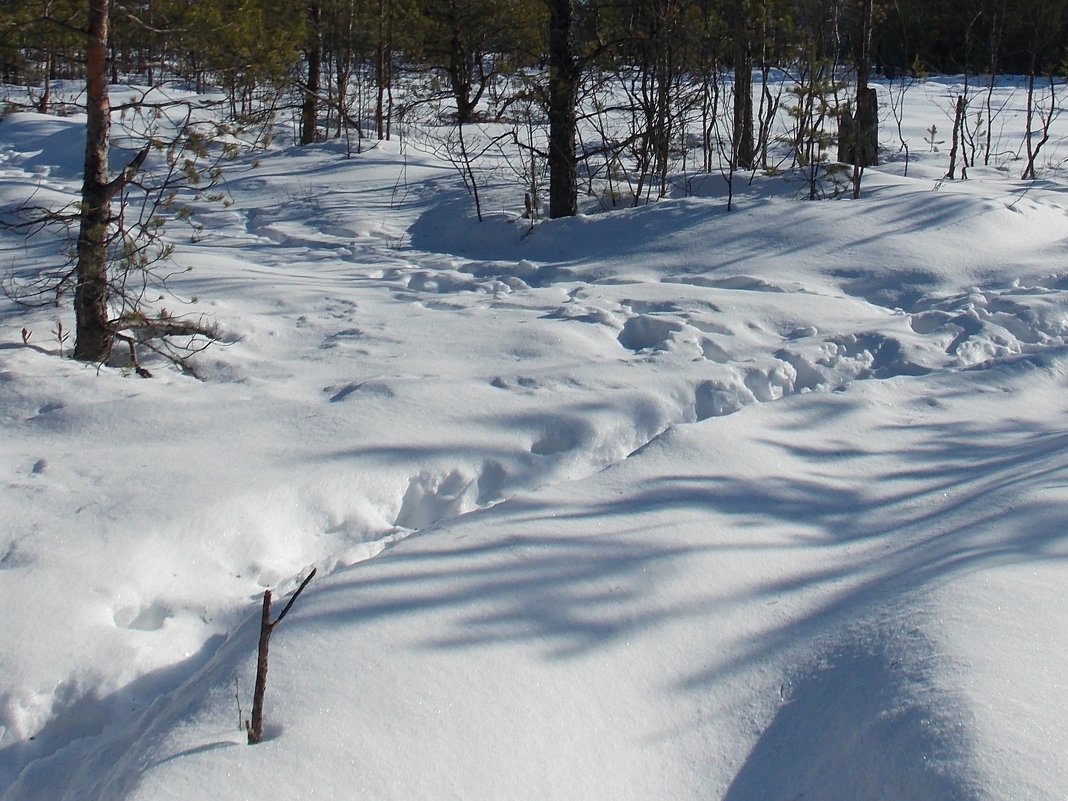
(695, 348)
(678, 326)
(987, 324)
(645, 332)
(744, 283)
(150, 617)
(688, 347)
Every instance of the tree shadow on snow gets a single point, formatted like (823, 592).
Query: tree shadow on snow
(82, 717)
(941, 499)
(859, 727)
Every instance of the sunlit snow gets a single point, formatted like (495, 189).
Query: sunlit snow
(668, 502)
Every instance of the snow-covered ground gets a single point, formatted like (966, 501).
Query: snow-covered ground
(666, 503)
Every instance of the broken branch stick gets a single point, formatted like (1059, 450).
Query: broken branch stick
(254, 727)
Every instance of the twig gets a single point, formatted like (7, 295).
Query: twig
(237, 695)
(254, 727)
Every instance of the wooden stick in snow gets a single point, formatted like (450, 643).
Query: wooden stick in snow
(254, 727)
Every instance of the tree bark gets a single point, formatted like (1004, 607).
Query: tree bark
(382, 70)
(858, 137)
(309, 112)
(93, 334)
(563, 97)
(44, 104)
(744, 149)
(460, 66)
(958, 121)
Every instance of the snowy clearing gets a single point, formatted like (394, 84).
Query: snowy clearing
(668, 502)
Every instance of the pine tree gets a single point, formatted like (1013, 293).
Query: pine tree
(94, 334)
(473, 42)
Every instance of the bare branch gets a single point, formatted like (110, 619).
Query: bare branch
(296, 595)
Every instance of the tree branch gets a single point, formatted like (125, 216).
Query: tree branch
(117, 183)
(296, 595)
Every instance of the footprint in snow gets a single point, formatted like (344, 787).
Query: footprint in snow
(143, 618)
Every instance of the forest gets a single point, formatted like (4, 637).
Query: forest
(668, 398)
(360, 67)
(250, 44)
(596, 99)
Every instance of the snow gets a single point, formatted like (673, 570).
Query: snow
(669, 502)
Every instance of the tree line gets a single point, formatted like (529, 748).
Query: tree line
(256, 41)
(341, 60)
(644, 75)
(252, 46)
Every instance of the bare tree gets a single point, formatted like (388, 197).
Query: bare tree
(960, 110)
(1043, 20)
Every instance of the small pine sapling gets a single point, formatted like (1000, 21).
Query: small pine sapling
(932, 138)
(62, 335)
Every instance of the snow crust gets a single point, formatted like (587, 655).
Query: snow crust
(669, 502)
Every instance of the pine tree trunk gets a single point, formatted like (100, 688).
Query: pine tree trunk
(563, 94)
(44, 105)
(309, 112)
(380, 72)
(459, 70)
(744, 149)
(868, 128)
(858, 136)
(93, 333)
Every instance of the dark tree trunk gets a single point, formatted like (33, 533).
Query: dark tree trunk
(858, 136)
(93, 333)
(744, 148)
(868, 128)
(460, 78)
(44, 104)
(563, 96)
(958, 122)
(383, 57)
(309, 112)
